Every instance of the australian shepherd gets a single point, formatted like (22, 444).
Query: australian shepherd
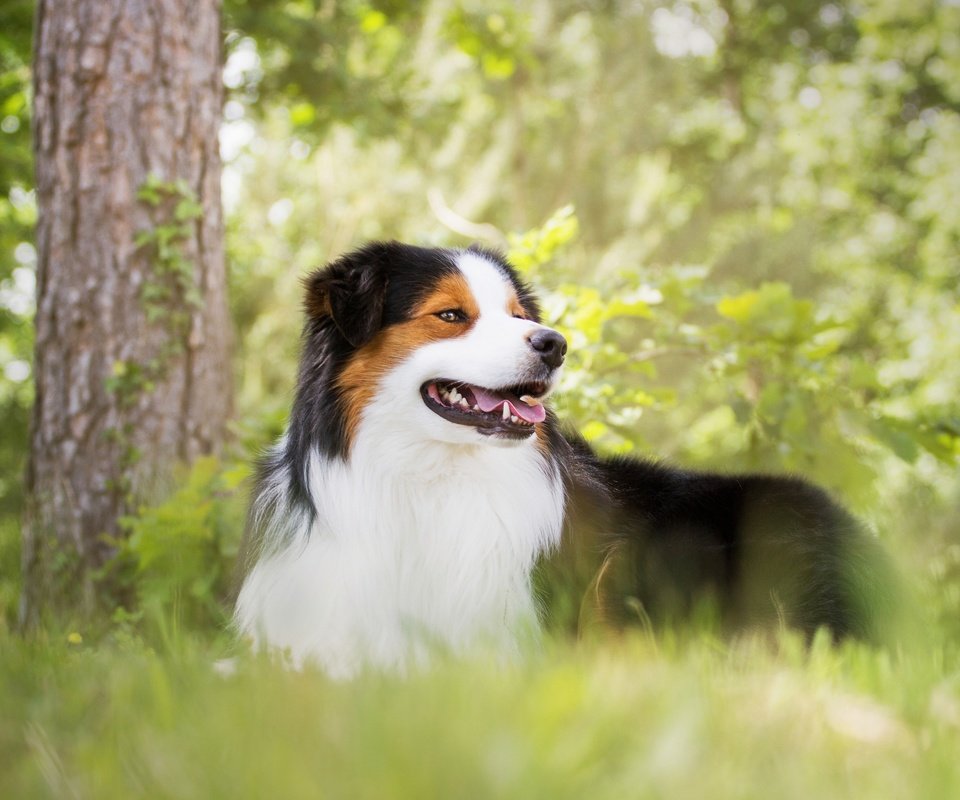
(423, 478)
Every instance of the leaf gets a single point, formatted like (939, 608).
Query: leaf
(770, 311)
(898, 436)
(593, 430)
(628, 308)
(149, 196)
(303, 114)
(188, 208)
(372, 20)
(143, 237)
(537, 246)
(826, 343)
(498, 66)
(739, 308)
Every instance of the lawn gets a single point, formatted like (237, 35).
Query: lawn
(674, 717)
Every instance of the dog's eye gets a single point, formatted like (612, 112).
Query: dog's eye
(451, 315)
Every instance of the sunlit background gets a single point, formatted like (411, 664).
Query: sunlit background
(744, 215)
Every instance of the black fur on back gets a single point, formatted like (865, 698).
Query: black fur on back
(649, 544)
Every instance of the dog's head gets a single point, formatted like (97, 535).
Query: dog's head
(447, 343)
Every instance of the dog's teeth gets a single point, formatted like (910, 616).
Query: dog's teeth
(506, 411)
(476, 407)
(530, 401)
(513, 418)
(464, 403)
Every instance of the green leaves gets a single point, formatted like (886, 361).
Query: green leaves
(17, 256)
(770, 311)
(172, 282)
(187, 208)
(322, 64)
(495, 36)
(782, 384)
(798, 373)
(537, 246)
(178, 556)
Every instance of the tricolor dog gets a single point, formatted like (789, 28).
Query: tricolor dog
(422, 478)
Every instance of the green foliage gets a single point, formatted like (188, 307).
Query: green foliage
(496, 41)
(331, 63)
(539, 246)
(9, 572)
(789, 387)
(176, 559)
(941, 591)
(16, 19)
(17, 214)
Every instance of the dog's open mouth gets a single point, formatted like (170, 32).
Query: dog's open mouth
(512, 411)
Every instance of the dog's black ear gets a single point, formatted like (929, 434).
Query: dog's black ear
(350, 291)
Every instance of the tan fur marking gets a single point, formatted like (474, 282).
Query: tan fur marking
(452, 291)
(543, 441)
(513, 306)
(361, 377)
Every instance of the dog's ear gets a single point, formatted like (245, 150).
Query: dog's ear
(351, 292)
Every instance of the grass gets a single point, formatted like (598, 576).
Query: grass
(633, 718)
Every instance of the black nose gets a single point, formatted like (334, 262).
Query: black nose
(551, 346)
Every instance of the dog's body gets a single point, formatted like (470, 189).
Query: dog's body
(421, 479)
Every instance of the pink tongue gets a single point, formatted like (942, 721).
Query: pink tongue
(488, 401)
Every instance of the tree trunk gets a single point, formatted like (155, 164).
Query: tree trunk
(132, 329)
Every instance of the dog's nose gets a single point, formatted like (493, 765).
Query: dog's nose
(551, 346)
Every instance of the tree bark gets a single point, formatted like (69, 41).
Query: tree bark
(126, 92)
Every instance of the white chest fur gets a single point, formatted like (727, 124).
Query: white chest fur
(415, 545)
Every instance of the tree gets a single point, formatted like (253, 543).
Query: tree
(132, 330)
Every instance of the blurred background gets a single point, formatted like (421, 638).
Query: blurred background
(742, 213)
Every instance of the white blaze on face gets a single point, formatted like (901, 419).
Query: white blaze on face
(498, 344)
(491, 288)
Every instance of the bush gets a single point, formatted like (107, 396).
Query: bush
(175, 565)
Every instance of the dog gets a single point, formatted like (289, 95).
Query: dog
(425, 497)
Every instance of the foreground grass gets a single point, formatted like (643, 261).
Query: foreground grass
(631, 719)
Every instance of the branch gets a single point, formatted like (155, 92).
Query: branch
(452, 220)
